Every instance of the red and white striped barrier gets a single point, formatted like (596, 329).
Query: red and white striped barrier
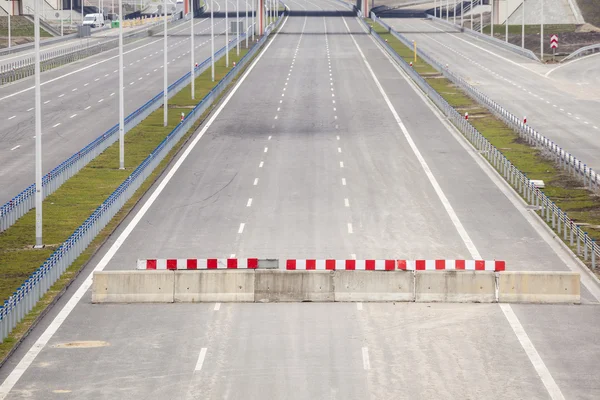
(391, 265)
(451, 265)
(196, 263)
(367, 265)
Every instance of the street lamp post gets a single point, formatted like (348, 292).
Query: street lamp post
(121, 92)
(9, 39)
(253, 14)
(193, 69)
(523, 27)
(492, 22)
(246, 2)
(506, 22)
(212, 40)
(542, 34)
(237, 25)
(38, 131)
(226, 35)
(165, 81)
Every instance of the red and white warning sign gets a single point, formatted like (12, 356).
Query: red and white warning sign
(554, 41)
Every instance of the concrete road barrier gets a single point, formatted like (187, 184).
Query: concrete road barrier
(216, 286)
(271, 285)
(539, 287)
(133, 287)
(455, 286)
(373, 286)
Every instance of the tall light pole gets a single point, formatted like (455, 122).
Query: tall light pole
(71, 14)
(9, 11)
(542, 34)
(193, 69)
(253, 14)
(523, 27)
(237, 25)
(38, 131)
(165, 81)
(506, 22)
(454, 12)
(212, 40)
(246, 2)
(471, 14)
(481, 18)
(226, 36)
(492, 23)
(121, 92)
(447, 8)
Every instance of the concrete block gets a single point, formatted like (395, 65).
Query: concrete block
(277, 285)
(214, 286)
(539, 287)
(455, 286)
(133, 287)
(373, 286)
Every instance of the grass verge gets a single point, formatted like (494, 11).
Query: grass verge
(566, 191)
(73, 202)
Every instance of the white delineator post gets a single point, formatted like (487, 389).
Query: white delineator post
(192, 64)
(38, 131)
(212, 41)
(165, 81)
(121, 94)
(226, 36)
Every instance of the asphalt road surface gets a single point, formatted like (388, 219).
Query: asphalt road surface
(561, 102)
(322, 149)
(80, 101)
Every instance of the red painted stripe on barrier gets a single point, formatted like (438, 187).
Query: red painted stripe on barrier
(420, 265)
(440, 264)
(479, 265)
(253, 263)
(232, 263)
(290, 264)
(390, 265)
(350, 265)
(330, 264)
(211, 263)
(459, 264)
(192, 263)
(500, 265)
(311, 264)
(402, 265)
(151, 264)
(370, 265)
(171, 263)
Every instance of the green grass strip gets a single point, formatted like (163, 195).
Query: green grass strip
(68, 207)
(565, 190)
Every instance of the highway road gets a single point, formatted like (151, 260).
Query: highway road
(75, 96)
(322, 149)
(561, 102)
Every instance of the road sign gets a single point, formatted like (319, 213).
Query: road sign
(554, 42)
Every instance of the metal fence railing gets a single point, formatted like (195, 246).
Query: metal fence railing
(25, 298)
(584, 51)
(554, 216)
(496, 42)
(564, 158)
(25, 201)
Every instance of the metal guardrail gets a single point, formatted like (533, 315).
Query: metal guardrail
(593, 48)
(28, 46)
(27, 296)
(565, 159)
(25, 201)
(497, 42)
(554, 216)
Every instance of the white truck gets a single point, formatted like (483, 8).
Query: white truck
(93, 20)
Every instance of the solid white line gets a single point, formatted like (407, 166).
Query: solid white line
(241, 230)
(16, 147)
(255, 181)
(365, 355)
(346, 203)
(249, 202)
(359, 306)
(200, 359)
(569, 63)
(527, 345)
(436, 187)
(56, 323)
(217, 306)
(350, 228)
(534, 357)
